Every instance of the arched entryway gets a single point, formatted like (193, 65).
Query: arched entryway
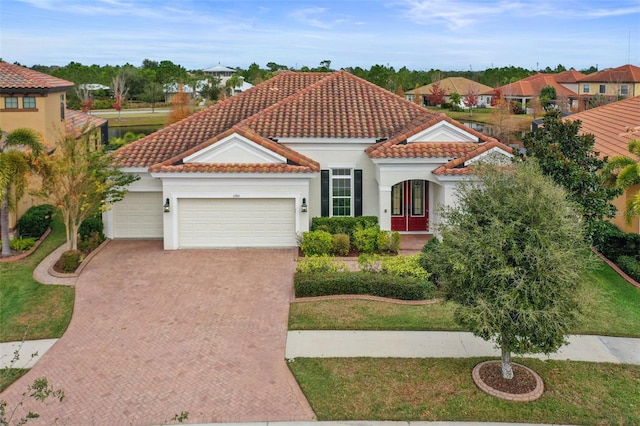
(410, 206)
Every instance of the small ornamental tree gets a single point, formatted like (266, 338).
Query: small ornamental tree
(569, 159)
(82, 181)
(547, 94)
(455, 99)
(118, 85)
(496, 97)
(511, 255)
(180, 106)
(436, 94)
(471, 99)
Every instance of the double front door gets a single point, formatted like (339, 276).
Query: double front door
(409, 210)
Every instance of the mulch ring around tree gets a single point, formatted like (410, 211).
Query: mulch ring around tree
(525, 386)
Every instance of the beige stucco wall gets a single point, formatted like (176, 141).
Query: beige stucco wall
(44, 119)
(620, 203)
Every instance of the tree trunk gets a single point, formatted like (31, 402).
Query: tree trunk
(507, 371)
(74, 237)
(4, 224)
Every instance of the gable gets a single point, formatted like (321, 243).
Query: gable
(443, 132)
(495, 155)
(235, 149)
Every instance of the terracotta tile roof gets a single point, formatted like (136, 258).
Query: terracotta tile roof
(427, 150)
(76, 121)
(614, 125)
(15, 77)
(204, 125)
(386, 149)
(531, 86)
(569, 76)
(233, 168)
(456, 166)
(339, 106)
(623, 74)
(459, 85)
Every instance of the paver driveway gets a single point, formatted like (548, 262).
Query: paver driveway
(155, 333)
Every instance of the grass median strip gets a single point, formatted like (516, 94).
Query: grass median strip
(26, 306)
(442, 389)
(610, 306)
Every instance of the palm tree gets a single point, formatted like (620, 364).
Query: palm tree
(625, 172)
(18, 153)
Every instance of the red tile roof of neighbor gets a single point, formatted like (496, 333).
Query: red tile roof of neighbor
(614, 125)
(17, 77)
(78, 121)
(459, 85)
(531, 86)
(291, 105)
(622, 74)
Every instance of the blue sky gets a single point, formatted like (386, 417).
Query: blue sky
(419, 34)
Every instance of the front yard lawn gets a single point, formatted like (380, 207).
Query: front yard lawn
(610, 306)
(442, 389)
(28, 309)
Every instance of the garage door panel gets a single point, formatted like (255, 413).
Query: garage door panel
(213, 223)
(138, 216)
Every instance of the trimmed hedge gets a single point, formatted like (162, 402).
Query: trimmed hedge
(35, 221)
(614, 243)
(630, 266)
(316, 243)
(384, 285)
(343, 224)
(70, 260)
(90, 225)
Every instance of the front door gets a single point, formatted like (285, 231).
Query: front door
(409, 206)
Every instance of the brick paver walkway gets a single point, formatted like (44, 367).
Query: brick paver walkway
(155, 333)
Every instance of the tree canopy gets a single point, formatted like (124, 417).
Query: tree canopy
(511, 254)
(624, 172)
(569, 159)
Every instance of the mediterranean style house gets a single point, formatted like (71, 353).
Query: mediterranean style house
(37, 101)
(615, 125)
(450, 85)
(252, 170)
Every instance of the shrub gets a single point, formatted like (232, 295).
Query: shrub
(383, 285)
(35, 221)
(22, 244)
(388, 241)
(316, 243)
(370, 262)
(630, 265)
(320, 264)
(404, 266)
(89, 226)
(365, 240)
(342, 224)
(341, 244)
(91, 242)
(429, 260)
(70, 260)
(612, 242)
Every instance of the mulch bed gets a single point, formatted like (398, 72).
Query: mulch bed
(523, 381)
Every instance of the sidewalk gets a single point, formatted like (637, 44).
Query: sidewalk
(442, 344)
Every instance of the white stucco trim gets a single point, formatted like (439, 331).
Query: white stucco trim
(255, 152)
(443, 132)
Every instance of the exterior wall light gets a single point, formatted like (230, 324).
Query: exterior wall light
(303, 207)
(167, 206)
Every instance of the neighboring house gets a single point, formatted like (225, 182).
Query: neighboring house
(620, 82)
(37, 101)
(172, 88)
(252, 170)
(524, 91)
(459, 85)
(221, 72)
(614, 125)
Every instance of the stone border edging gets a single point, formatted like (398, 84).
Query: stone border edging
(83, 264)
(524, 397)
(616, 268)
(28, 252)
(366, 297)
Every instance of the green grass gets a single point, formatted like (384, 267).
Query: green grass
(442, 389)
(28, 309)
(10, 375)
(609, 306)
(127, 120)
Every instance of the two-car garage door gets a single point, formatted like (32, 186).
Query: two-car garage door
(236, 222)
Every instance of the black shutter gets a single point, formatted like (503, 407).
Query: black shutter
(357, 192)
(324, 193)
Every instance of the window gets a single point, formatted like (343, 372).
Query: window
(11, 102)
(585, 88)
(341, 191)
(396, 199)
(29, 102)
(603, 89)
(624, 89)
(417, 198)
(62, 107)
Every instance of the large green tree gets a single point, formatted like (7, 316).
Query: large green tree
(511, 255)
(82, 181)
(570, 160)
(19, 154)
